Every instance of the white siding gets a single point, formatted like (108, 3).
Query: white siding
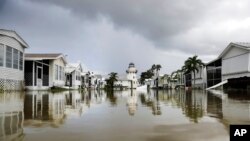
(236, 64)
(14, 74)
(11, 42)
(76, 83)
(10, 73)
(52, 80)
(234, 51)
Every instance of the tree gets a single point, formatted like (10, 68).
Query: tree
(112, 78)
(192, 65)
(157, 67)
(146, 75)
(150, 73)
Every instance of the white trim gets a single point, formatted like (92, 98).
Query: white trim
(41, 63)
(235, 73)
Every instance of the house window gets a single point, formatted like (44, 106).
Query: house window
(15, 58)
(1, 54)
(20, 60)
(76, 75)
(56, 72)
(59, 73)
(62, 73)
(9, 57)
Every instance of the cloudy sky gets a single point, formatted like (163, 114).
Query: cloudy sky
(106, 35)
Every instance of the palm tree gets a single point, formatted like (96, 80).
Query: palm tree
(158, 67)
(192, 65)
(112, 78)
(153, 68)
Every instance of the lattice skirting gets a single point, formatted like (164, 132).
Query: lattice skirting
(7, 84)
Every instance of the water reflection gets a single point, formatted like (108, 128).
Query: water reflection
(74, 105)
(214, 105)
(112, 97)
(162, 112)
(152, 100)
(132, 103)
(44, 106)
(11, 116)
(236, 108)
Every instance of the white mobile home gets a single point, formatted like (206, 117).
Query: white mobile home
(73, 75)
(236, 61)
(232, 67)
(11, 60)
(43, 71)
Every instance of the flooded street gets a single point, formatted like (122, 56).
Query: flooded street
(123, 115)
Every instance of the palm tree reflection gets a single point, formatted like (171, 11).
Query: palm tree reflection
(152, 101)
(112, 97)
(194, 106)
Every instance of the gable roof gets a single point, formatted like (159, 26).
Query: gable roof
(13, 34)
(242, 45)
(72, 67)
(42, 56)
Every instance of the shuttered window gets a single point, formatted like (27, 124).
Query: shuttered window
(56, 72)
(20, 60)
(62, 74)
(1, 55)
(15, 58)
(8, 57)
(59, 73)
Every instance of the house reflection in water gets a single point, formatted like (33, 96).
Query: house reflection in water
(152, 100)
(214, 104)
(44, 106)
(73, 103)
(11, 116)
(236, 108)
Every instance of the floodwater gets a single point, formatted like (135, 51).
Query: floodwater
(174, 115)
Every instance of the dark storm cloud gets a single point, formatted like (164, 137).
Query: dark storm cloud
(157, 20)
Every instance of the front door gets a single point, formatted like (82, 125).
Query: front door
(39, 76)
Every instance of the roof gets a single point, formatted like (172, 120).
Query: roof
(242, 45)
(13, 34)
(72, 67)
(212, 61)
(42, 56)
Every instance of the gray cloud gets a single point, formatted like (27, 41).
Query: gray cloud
(155, 20)
(108, 34)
